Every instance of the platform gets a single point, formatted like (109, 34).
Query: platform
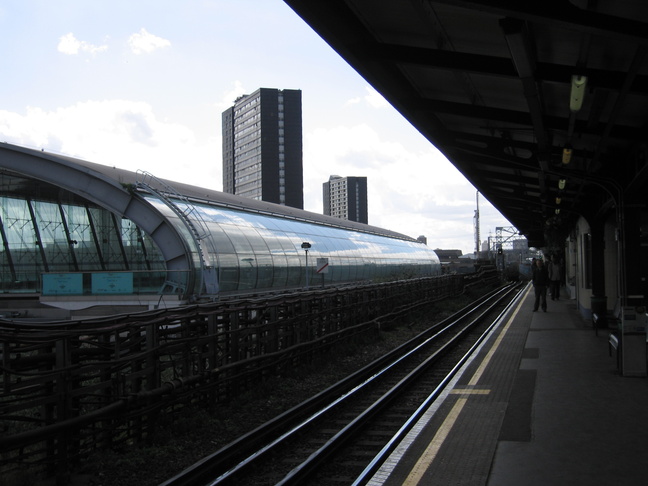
(542, 403)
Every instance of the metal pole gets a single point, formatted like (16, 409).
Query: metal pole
(306, 245)
(306, 250)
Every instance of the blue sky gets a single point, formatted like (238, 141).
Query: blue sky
(141, 85)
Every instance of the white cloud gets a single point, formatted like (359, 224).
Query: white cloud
(375, 99)
(230, 96)
(410, 191)
(118, 133)
(144, 42)
(70, 45)
(372, 99)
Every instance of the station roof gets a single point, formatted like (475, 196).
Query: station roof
(503, 87)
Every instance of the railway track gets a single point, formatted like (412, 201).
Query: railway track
(341, 435)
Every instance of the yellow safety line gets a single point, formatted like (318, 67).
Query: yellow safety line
(433, 447)
(468, 391)
(422, 465)
(491, 352)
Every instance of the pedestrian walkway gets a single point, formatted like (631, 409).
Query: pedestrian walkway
(541, 404)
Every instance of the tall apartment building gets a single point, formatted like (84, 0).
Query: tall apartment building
(346, 198)
(262, 147)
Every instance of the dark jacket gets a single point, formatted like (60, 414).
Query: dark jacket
(540, 276)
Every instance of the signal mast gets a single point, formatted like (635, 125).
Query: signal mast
(477, 238)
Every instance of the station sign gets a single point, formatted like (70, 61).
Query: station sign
(322, 265)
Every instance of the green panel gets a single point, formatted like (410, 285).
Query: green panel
(112, 283)
(62, 284)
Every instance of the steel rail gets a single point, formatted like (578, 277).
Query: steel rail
(301, 472)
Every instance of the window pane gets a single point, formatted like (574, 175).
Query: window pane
(56, 246)
(82, 241)
(22, 268)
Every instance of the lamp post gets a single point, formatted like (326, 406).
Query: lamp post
(306, 245)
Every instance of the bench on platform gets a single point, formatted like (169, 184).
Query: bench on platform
(611, 320)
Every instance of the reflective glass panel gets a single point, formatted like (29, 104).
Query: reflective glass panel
(82, 239)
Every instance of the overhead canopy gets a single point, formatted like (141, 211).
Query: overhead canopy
(509, 91)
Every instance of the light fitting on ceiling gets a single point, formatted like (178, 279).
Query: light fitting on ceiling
(562, 183)
(558, 200)
(567, 155)
(557, 211)
(578, 85)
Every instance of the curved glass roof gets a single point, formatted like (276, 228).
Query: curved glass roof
(256, 251)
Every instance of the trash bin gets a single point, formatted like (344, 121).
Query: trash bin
(634, 324)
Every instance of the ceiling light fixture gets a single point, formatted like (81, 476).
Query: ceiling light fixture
(578, 85)
(562, 183)
(567, 155)
(558, 200)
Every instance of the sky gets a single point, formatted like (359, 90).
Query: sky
(141, 85)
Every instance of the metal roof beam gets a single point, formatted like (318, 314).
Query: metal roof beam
(519, 44)
(519, 118)
(560, 14)
(498, 66)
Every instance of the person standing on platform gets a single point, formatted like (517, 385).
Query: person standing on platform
(540, 282)
(555, 276)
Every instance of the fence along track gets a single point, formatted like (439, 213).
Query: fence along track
(69, 388)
